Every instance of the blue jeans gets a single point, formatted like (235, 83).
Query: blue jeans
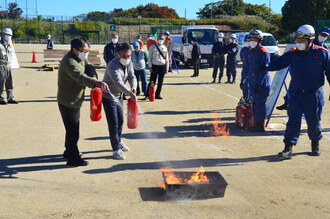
(115, 119)
(141, 74)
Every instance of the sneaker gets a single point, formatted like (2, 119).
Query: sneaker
(12, 101)
(123, 146)
(118, 155)
(2, 102)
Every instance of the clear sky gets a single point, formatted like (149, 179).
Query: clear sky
(76, 7)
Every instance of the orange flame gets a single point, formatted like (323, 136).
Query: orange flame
(219, 128)
(171, 178)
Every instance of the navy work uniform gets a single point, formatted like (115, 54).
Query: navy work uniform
(218, 50)
(259, 81)
(232, 50)
(305, 90)
(244, 74)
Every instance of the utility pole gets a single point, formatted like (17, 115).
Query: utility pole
(185, 13)
(6, 8)
(37, 7)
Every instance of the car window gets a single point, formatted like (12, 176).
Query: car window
(269, 41)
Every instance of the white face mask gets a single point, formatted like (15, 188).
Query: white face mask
(322, 38)
(247, 44)
(83, 56)
(301, 46)
(253, 44)
(136, 49)
(7, 38)
(124, 61)
(115, 40)
(220, 39)
(230, 40)
(160, 42)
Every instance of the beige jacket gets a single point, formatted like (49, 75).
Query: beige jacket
(156, 59)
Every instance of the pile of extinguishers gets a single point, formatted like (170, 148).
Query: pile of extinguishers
(245, 114)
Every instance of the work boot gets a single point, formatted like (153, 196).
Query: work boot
(284, 106)
(286, 154)
(315, 148)
(219, 80)
(234, 80)
(228, 81)
(213, 80)
(12, 101)
(2, 102)
(259, 127)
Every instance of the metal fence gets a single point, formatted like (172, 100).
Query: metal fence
(34, 29)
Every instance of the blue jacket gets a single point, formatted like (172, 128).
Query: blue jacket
(232, 51)
(244, 54)
(317, 42)
(256, 59)
(307, 68)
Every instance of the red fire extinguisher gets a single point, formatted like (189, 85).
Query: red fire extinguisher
(132, 114)
(250, 121)
(152, 92)
(96, 104)
(241, 114)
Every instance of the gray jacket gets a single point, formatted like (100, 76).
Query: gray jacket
(116, 75)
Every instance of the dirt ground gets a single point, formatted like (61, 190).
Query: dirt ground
(175, 132)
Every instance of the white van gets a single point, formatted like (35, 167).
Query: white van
(268, 42)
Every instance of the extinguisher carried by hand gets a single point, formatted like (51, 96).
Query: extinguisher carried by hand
(132, 114)
(151, 92)
(96, 104)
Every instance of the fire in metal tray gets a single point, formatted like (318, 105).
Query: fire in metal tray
(196, 185)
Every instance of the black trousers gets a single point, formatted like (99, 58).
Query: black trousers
(195, 63)
(219, 63)
(71, 120)
(115, 119)
(158, 71)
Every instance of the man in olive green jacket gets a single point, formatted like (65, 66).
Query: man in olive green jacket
(72, 81)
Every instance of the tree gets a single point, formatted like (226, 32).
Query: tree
(14, 12)
(233, 8)
(298, 12)
(148, 11)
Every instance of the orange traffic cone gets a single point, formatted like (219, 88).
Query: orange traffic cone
(34, 58)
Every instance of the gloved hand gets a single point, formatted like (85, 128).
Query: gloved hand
(257, 88)
(241, 85)
(263, 67)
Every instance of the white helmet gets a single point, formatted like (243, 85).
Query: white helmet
(305, 32)
(7, 31)
(221, 35)
(256, 33)
(232, 36)
(49, 36)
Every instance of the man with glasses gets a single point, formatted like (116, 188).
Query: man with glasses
(309, 64)
(72, 81)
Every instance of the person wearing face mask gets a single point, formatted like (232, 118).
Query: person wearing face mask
(258, 78)
(50, 42)
(159, 64)
(322, 37)
(109, 51)
(196, 56)
(150, 41)
(6, 80)
(139, 40)
(118, 72)
(244, 85)
(72, 81)
(218, 50)
(232, 50)
(308, 63)
(140, 58)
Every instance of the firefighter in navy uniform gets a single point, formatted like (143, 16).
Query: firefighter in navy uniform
(244, 85)
(218, 50)
(258, 78)
(322, 37)
(308, 65)
(231, 49)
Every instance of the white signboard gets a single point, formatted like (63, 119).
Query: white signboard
(275, 90)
